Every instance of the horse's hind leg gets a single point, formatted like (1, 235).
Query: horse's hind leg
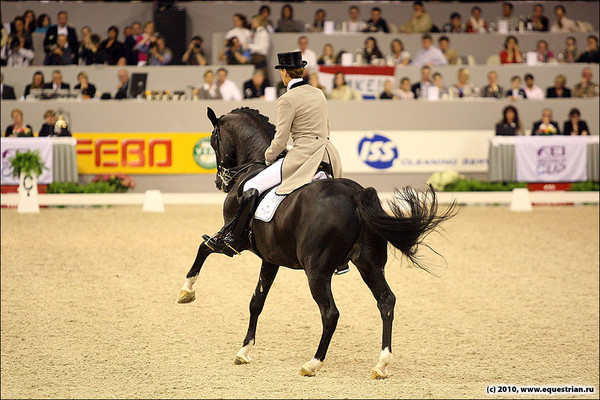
(188, 294)
(371, 267)
(320, 288)
(265, 280)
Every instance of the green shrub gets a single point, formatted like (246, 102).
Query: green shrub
(473, 185)
(92, 187)
(588, 186)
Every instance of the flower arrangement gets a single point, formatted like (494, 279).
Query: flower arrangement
(22, 131)
(121, 182)
(547, 129)
(28, 162)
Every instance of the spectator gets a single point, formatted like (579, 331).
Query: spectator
(61, 54)
(420, 22)
(398, 55)
(240, 30)
(328, 56)
(91, 54)
(18, 51)
(575, 125)
(532, 91)
(318, 22)
(544, 54)
(18, 128)
(420, 88)
(450, 54)
(228, 89)
(476, 23)
(405, 92)
(562, 23)
(539, 22)
(354, 24)
(57, 82)
(455, 25)
(591, 54)
(51, 38)
(6, 92)
(123, 86)
(387, 94)
(371, 51)
(194, 55)
(287, 23)
(37, 82)
(463, 88)
(131, 54)
(507, 15)
(509, 125)
(429, 54)
(143, 43)
(307, 54)
(49, 127)
(511, 53)
(376, 23)
(30, 21)
(265, 11)
(438, 82)
(111, 49)
(313, 80)
(160, 54)
(85, 46)
(43, 23)
(254, 88)
(209, 89)
(88, 90)
(259, 45)
(493, 89)
(559, 89)
(341, 90)
(570, 54)
(234, 53)
(586, 88)
(516, 92)
(545, 126)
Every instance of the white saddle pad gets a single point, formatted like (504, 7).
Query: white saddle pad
(268, 205)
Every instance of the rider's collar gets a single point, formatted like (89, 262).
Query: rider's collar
(292, 82)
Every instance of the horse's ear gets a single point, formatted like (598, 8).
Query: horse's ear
(212, 116)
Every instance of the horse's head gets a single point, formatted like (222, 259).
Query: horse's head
(224, 148)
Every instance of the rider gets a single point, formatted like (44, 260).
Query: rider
(301, 114)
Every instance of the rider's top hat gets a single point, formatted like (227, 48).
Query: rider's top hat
(292, 59)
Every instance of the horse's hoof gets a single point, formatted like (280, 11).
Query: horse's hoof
(377, 374)
(306, 372)
(310, 368)
(241, 360)
(186, 297)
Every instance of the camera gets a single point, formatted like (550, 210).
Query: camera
(229, 43)
(197, 46)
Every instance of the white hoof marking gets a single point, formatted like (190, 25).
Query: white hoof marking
(310, 368)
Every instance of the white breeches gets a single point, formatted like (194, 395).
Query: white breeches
(266, 179)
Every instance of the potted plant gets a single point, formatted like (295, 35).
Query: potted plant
(28, 166)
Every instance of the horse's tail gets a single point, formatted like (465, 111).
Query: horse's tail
(404, 230)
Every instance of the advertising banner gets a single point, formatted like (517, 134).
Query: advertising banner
(10, 146)
(368, 80)
(412, 151)
(145, 153)
(551, 159)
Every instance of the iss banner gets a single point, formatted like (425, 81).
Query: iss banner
(368, 80)
(412, 151)
(551, 159)
(10, 147)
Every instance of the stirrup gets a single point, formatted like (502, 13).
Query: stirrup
(210, 242)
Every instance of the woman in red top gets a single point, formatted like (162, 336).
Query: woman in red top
(511, 53)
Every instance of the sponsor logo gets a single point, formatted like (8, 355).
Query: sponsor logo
(204, 154)
(551, 160)
(377, 151)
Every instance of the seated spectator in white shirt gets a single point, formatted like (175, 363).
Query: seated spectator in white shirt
(209, 89)
(240, 30)
(307, 54)
(429, 54)
(562, 23)
(354, 24)
(228, 89)
(398, 55)
(476, 23)
(254, 88)
(463, 88)
(420, 88)
(532, 91)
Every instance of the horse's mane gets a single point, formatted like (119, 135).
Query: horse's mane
(261, 121)
(252, 131)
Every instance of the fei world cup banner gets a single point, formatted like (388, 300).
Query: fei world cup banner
(551, 159)
(412, 151)
(368, 80)
(10, 147)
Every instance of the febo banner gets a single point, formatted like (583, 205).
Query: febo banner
(10, 146)
(368, 80)
(412, 151)
(145, 153)
(551, 159)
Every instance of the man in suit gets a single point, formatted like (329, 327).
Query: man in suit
(57, 82)
(62, 29)
(420, 88)
(8, 92)
(301, 115)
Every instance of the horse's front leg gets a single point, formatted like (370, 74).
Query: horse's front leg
(188, 294)
(265, 280)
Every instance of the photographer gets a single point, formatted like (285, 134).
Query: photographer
(90, 51)
(59, 54)
(194, 54)
(234, 53)
(18, 51)
(159, 53)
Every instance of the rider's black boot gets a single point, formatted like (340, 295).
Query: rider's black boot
(232, 238)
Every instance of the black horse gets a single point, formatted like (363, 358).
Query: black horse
(317, 228)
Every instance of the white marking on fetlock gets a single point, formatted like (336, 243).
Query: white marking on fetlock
(385, 358)
(310, 368)
(244, 353)
(188, 286)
